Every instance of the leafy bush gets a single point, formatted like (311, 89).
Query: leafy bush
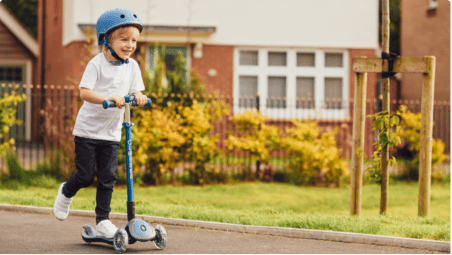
(254, 136)
(315, 156)
(386, 124)
(178, 128)
(409, 131)
(8, 119)
(199, 146)
(159, 136)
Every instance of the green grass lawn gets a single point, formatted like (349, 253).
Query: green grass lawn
(279, 205)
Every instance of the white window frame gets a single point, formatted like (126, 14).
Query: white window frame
(432, 4)
(319, 72)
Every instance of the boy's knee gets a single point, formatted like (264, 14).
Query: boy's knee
(86, 181)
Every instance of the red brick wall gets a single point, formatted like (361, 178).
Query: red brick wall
(219, 58)
(62, 64)
(426, 33)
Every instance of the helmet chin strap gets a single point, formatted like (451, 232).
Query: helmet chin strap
(113, 53)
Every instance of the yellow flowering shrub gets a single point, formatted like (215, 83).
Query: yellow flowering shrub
(253, 135)
(8, 119)
(166, 137)
(158, 138)
(410, 132)
(200, 146)
(314, 156)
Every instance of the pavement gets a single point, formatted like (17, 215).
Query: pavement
(29, 229)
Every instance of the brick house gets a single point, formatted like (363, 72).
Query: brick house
(425, 31)
(281, 49)
(19, 53)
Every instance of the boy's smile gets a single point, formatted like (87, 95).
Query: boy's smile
(124, 45)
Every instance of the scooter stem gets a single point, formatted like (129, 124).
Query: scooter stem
(128, 130)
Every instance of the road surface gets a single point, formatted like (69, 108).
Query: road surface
(43, 233)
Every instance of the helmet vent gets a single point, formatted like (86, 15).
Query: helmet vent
(123, 16)
(135, 16)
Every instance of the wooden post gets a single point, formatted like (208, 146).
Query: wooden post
(359, 116)
(427, 66)
(385, 108)
(425, 152)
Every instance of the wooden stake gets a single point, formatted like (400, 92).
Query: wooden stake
(425, 152)
(385, 108)
(359, 117)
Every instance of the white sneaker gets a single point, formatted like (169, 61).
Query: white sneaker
(62, 203)
(106, 229)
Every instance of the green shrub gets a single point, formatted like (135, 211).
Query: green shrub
(409, 131)
(315, 156)
(15, 169)
(8, 119)
(178, 128)
(253, 136)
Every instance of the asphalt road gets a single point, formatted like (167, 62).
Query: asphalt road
(43, 233)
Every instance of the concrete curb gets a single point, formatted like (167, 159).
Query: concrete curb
(441, 246)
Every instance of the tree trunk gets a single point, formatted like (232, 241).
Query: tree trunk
(385, 108)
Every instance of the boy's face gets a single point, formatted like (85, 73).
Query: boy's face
(125, 42)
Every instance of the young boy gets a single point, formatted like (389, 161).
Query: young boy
(110, 75)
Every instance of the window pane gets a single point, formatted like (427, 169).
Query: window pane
(11, 74)
(305, 59)
(248, 91)
(276, 92)
(171, 52)
(333, 59)
(277, 59)
(305, 92)
(333, 93)
(248, 58)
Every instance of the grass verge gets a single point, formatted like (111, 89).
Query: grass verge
(279, 205)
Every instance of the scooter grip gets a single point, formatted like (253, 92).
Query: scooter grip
(108, 104)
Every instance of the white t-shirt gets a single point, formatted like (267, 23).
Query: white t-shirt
(93, 121)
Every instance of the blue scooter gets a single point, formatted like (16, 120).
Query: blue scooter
(136, 229)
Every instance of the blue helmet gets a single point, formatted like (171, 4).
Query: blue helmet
(112, 19)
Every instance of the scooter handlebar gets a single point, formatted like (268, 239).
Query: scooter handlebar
(129, 98)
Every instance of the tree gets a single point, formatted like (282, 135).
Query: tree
(26, 11)
(394, 27)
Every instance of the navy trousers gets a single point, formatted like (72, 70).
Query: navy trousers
(89, 155)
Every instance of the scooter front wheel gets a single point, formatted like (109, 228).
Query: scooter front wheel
(120, 240)
(160, 237)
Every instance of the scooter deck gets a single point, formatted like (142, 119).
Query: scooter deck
(95, 239)
(89, 236)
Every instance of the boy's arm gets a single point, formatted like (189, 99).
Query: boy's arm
(94, 98)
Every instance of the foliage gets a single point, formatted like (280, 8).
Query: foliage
(8, 119)
(253, 135)
(159, 136)
(161, 83)
(199, 146)
(19, 178)
(383, 122)
(180, 128)
(409, 131)
(314, 155)
(26, 11)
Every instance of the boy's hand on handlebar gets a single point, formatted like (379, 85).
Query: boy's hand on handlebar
(120, 101)
(141, 100)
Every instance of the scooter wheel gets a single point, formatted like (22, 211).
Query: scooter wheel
(120, 240)
(160, 237)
